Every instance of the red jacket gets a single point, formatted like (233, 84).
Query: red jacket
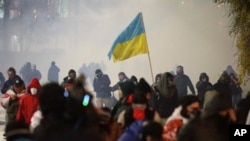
(28, 105)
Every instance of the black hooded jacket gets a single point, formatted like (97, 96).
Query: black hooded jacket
(203, 86)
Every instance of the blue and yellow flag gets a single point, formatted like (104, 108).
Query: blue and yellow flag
(131, 42)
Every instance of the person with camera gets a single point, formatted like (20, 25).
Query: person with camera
(102, 88)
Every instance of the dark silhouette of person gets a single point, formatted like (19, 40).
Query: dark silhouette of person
(103, 91)
(53, 74)
(202, 86)
(26, 73)
(71, 75)
(182, 82)
(35, 73)
(2, 80)
(10, 82)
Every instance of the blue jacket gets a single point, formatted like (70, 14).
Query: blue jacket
(133, 132)
(101, 86)
(9, 83)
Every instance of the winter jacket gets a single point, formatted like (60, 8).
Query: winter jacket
(224, 90)
(101, 87)
(37, 74)
(116, 86)
(28, 105)
(9, 83)
(182, 82)
(133, 132)
(166, 106)
(173, 124)
(53, 74)
(167, 96)
(202, 87)
(12, 109)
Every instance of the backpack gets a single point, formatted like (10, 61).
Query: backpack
(133, 132)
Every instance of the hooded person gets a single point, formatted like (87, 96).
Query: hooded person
(202, 86)
(126, 91)
(223, 86)
(134, 79)
(182, 82)
(13, 103)
(236, 90)
(168, 97)
(148, 91)
(29, 104)
(136, 116)
(213, 124)
(139, 110)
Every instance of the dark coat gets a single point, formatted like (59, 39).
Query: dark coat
(165, 106)
(167, 96)
(101, 86)
(12, 110)
(224, 90)
(182, 82)
(9, 83)
(2, 80)
(202, 87)
(37, 74)
(53, 74)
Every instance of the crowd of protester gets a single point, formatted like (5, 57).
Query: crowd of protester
(163, 111)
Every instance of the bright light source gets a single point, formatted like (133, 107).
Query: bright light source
(182, 2)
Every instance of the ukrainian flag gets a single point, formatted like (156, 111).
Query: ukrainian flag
(131, 42)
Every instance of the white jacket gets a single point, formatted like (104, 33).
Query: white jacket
(35, 120)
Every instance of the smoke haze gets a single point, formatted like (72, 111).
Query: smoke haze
(191, 33)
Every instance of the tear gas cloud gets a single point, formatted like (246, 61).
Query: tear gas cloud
(191, 33)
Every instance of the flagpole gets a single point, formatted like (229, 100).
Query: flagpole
(149, 59)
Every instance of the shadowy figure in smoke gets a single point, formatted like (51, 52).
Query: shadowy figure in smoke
(53, 74)
(26, 73)
(35, 73)
(89, 69)
(2, 80)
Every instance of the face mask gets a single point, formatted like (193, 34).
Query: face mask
(33, 91)
(139, 111)
(138, 114)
